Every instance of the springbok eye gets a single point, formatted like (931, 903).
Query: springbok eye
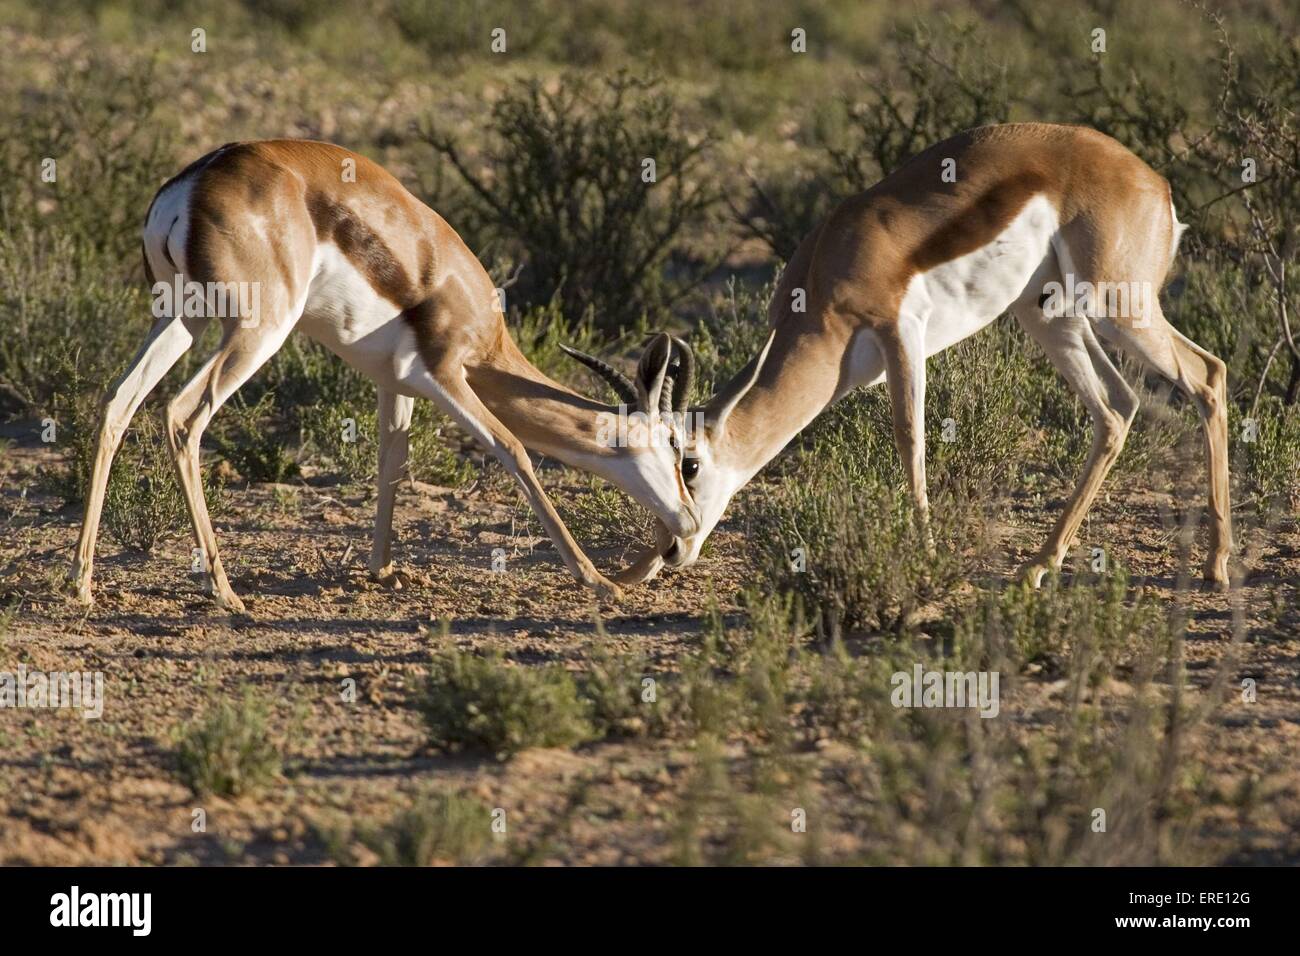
(690, 468)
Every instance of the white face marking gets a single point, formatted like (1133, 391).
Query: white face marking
(712, 493)
(650, 476)
(958, 298)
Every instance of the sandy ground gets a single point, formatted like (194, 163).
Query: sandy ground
(75, 791)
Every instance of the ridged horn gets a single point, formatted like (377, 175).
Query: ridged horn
(620, 383)
(683, 373)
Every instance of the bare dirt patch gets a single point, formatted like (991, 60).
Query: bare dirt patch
(106, 791)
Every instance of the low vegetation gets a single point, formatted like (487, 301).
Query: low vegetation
(437, 829)
(764, 729)
(487, 705)
(227, 750)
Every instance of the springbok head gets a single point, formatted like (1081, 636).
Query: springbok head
(691, 466)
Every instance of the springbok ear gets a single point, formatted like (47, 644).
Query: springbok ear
(720, 407)
(650, 371)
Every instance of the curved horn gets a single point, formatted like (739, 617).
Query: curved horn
(620, 383)
(683, 375)
(652, 373)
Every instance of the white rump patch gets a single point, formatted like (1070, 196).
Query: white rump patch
(167, 229)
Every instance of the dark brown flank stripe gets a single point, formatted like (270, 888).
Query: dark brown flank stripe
(374, 260)
(247, 165)
(979, 224)
(428, 263)
(337, 223)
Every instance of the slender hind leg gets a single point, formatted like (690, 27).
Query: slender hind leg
(1073, 348)
(167, 342)
(394, 442)
(242, 352)
(1203, 378)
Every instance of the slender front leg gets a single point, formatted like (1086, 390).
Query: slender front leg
(904, 352)
(453, 395)
(394, 444)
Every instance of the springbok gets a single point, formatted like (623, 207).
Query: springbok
(278, 235)
(1047, 221)
(1033, 218)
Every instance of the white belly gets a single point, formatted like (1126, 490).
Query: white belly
(958, 298)
(347, 316)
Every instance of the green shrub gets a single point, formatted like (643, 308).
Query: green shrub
(839, 694)
(732, 331)
(975, 419)
(614, 689)
(940, 81)
(740, 681)
(438, 828)
(243, 436)
(228, 751)
(1269, 465)
(485, 704)
(67, 246)
(144, 504)
(345, 436)
(334, 408)
(842, 498)
(781, 211)
(453, 28)
(304, 376)
(540, 330)
(55, 292)
(435, 456)
(563, 186)
(1049, 624)
(853, 550)
(597, 514)
(945, 81)
(976, 432)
